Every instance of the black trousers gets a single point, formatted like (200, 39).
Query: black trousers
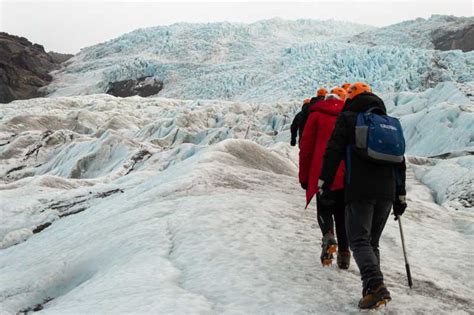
(365, 221)
(327, 215)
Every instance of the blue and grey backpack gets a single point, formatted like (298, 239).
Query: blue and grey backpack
(379, 137)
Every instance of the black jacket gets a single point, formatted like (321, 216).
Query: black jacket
(297, 126)
(364, 179)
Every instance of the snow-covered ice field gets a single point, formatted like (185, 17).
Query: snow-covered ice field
(157, 205)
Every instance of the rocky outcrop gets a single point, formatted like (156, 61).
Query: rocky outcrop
(462, 38)
(58, 57)
(145, 86)
(24, 68)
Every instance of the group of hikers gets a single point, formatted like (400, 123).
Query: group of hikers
(351, 158)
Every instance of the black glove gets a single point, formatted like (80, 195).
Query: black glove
(304, 186)
(325, 195)
(399, 206)
(293, 142)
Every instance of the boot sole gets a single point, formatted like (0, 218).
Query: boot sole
(377, 305)
(382, 302)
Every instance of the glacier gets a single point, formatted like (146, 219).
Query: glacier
(193, 206)
(414, 33)
(188, 201)
(445, 109)
(274, 60)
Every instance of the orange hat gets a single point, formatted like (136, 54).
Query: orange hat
(356, 89)
(340, 92)
(321, 92)
(346, 86)
(306, 100)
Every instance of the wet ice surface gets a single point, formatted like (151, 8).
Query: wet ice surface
(166, 206)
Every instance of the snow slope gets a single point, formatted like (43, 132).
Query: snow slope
(273, 60)
(169, 206)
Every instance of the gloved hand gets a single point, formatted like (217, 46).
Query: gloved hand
(293, 142)
(325, 195)
(304, 186)
(321, 186)
(399, 206)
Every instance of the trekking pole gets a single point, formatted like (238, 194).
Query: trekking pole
(407, 266)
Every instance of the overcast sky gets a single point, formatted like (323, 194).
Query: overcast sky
(67, 26)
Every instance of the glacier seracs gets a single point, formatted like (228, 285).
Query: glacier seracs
(265, 61)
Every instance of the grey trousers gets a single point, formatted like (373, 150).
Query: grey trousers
(365, 221)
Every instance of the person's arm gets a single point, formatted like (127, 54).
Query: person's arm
(294, 128)
(335, 151)
(308, 141)
(400, 175)
(400, 203)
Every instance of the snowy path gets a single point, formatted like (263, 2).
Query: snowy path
(225, 232)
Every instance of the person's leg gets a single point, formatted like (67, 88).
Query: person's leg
(375, 292)
(359, 216)
(381, 214)
(339, 218)
(325, 220)
(343, 253)
(326, 223)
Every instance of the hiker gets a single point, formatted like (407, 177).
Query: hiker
(317, 132)
(346, 86)
(300, 119)
(372, 186)
(296, 122)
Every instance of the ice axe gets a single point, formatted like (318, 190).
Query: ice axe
(407, 266)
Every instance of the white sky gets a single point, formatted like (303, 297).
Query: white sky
(67, 26)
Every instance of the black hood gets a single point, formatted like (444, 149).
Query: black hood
(363, 102)
(316, 99)
(313, 101)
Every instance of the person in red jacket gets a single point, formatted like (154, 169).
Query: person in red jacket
(316, 134)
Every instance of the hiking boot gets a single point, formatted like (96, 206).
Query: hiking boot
(374, 297)
(329, 247)
(343, 259)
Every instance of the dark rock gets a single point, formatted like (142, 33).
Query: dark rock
(24, 67)
(145, 86)
(36, 308)
(59, 58)
(138, 157)
(108, 193)
(18, 168)
(462, 38)
(41, 227)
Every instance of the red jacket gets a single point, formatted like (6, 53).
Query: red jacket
(316, 134)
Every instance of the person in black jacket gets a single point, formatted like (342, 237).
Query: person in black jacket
(297, 126)
(370, 191)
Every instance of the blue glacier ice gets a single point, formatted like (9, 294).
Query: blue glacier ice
(273, 60)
